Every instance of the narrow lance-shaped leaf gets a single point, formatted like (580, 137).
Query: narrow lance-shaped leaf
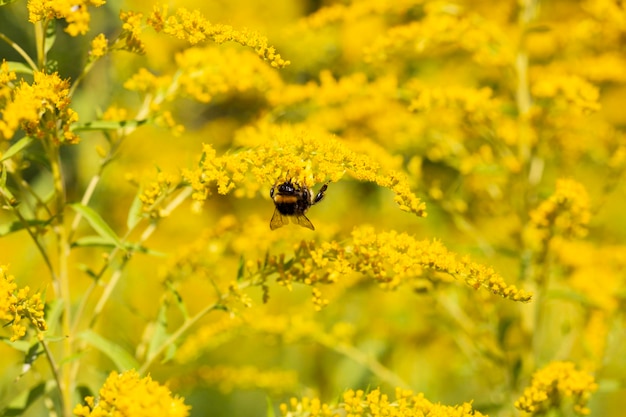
(16, 148)
(106, 125)
(51, 35)
(122, 359)
(97, 222)
(135, 213)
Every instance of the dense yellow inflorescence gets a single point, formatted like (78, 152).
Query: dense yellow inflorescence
(126, 394)
(74, 12)
(553, 386)
(16, 305)
(308, 156)
(41, 109)
(374, 403)
(193, 27)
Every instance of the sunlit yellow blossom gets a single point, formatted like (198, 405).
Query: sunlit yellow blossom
(391, 259)
(569, 92)
(355, 10)
(478, 104)
(99, 46)
(193, 27)
(6, 75)
(145, 81)
(16, 305)
(210, 71)
(74, 12)
(565, 213)
(375, 403)
(556, 385)
(154, 193)
(132, 26)
(308, 156)
(442, 31)
(394, 259)
(41, 109)
(129, 395)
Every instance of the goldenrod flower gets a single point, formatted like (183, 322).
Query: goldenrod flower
(441, 29)
(565, 213)
(569, 92)
(74, 12)
(41, 109)
(99, 46)
(391, 259)
(375, 403)
(355, 10)
(193, 27)
(556, 385)
(16, 304)
(275, 153)
(129, 395)
(211, 71)
(132, 26)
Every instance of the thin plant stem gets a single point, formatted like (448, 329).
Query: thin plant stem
(19, 50)
(53, 367)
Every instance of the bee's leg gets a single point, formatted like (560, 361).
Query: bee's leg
(272, 192)
(320, 194)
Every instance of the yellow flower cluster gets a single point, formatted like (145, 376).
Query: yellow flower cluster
(99, 46)
(308, 156)
(132, 26)
(443, 31)
(16, 304)
(129, 395)
(374, 404)
(565, 213)
(569, 92)
(478, 104)
(553, 386)
(392, 259)
(355, 10)
(155, 192)
(74, 12)
(41, 109)
(207, 72)
(193, 27)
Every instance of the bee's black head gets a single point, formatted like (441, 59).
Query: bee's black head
(286, 187)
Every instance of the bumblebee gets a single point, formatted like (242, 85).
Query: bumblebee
(293, 200)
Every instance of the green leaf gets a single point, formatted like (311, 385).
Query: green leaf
(5, 2)
(16, 226)
(24, 399)
(19, 67)
(159, 336)
(120, 357)
(51, 35)
(107, 125)
(97, 222)
(16, 148)
(94, 240)
(21, 345)
(270, 407)
(241, 268)
(135, 213)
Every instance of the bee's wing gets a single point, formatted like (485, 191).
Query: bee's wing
(278, 220)
(303, 221)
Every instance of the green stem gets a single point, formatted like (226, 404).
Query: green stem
(19, 50)
(53, 366)
(177, 334)
(67, 386)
